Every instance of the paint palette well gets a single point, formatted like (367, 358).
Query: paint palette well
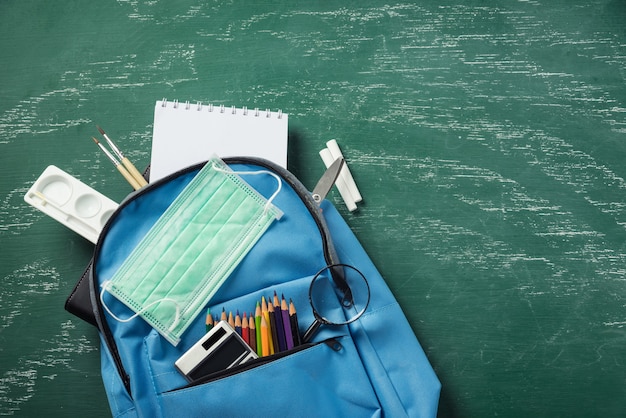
(71, 202)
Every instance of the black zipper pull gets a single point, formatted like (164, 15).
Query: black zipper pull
(333, 344)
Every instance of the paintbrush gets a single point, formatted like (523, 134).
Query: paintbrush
(125, 161)
(129, 178)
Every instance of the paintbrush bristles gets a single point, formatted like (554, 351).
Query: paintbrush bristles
(114, 147)
(106, 152)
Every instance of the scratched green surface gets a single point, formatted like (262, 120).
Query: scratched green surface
(487, 137)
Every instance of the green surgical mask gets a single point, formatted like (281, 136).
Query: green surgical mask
(191, 250)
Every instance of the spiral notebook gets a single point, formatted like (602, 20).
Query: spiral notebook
(185, 134)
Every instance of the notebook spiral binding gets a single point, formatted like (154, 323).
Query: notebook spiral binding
(222, 109)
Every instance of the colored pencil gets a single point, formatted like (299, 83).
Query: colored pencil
(257, 323)
(265, 342)
(238, 323)
(293, 319)
(284, 309)
(266, 315)
(231, 320)
(209, 320)
(280, 331)
(244, 329)
(224, 317)
(252, 333)
(274, 331)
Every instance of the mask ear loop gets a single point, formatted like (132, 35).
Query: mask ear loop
(253, 173)
(278, 180)
(105, 288)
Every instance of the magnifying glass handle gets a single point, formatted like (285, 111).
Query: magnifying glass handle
(310, 332)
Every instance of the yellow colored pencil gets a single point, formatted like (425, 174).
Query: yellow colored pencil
(265, 341)
(266, 316)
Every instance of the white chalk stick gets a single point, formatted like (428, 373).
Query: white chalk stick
(333, 147)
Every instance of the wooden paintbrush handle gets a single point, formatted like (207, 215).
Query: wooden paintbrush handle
(132, 170)
(130, 179)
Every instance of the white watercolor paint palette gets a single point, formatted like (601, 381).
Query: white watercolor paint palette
(71, 202)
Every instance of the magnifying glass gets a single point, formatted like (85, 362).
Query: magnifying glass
(339, 294)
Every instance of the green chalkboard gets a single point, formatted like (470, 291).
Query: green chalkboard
(488, 139)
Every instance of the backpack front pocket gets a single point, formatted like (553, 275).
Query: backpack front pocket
(332, 379)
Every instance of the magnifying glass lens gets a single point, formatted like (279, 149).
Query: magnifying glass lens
(339, 294)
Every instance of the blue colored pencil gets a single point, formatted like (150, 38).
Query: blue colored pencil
(280, 334)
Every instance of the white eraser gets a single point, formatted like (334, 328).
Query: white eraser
(333, 147)
(328, 159)
(71, 202)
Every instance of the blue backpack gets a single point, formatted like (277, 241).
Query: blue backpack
(373, 366)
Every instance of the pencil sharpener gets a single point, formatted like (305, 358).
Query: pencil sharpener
(219, 349)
